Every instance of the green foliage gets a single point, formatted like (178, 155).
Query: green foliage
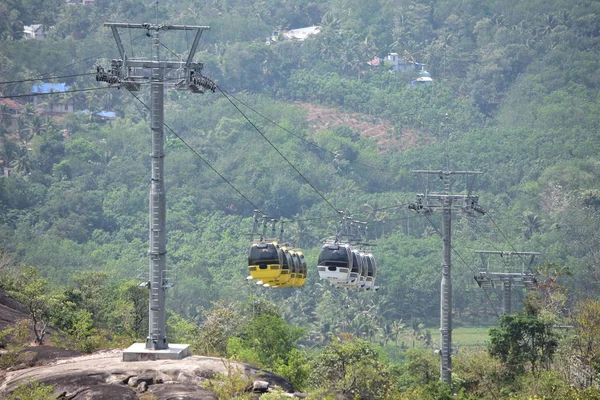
(220, 323)
(523, 341)
(420, 368)
(297, 369)
(41, 302)
(19, 334)
(353, 368)
(32, 390)
(515, 95)
(271, 338)
(232, 385)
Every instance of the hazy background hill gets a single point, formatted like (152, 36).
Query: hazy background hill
(515, 94)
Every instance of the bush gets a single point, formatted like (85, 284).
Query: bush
(32, 390)
(233, 385)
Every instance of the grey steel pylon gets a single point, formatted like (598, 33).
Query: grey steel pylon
(427, 203)
(188, 75)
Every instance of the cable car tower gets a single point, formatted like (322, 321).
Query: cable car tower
(446, 202)
(181, 74)
(509, 277)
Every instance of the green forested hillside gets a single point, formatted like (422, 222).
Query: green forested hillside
(516, 94)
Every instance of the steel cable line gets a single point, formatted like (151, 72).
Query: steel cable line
(48, 77)
(202, 158)
(279, 152)
(225, 179)
(508, 241)
(249, 201)
(465, 263)
(55, 93)
(298, 136)
(44, 75)
(480, 232)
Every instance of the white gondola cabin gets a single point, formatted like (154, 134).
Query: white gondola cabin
(335, 262)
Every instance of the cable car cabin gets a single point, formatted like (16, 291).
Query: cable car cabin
(265, 261)
(285, 275)
(371, 272)
(294, 264)
(335, 262)
(362, 280)
(355, 272)
(303, 271)
(296, 268)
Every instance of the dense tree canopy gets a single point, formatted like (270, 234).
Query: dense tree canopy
(514, 94)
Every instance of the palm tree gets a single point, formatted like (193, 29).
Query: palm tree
(22, 163)
(531, 224)
(372, 209)
(5, 117)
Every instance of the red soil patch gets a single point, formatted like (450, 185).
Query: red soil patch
(383, 132)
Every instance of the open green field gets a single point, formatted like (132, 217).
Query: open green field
(470, 336)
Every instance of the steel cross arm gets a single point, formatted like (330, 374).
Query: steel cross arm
(443, 197)
(441, 172)
(133, 63)
(505, 276)
(158, 27)
(194, 47)
(509, 253)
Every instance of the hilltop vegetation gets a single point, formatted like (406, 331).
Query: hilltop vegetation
(515, 95)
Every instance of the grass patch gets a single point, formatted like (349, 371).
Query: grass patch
(470, 336)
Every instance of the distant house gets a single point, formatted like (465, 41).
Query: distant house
(424, 79)
(34, 32)
(296, 35)
(100, 116)
(398, 63)
(51, 105)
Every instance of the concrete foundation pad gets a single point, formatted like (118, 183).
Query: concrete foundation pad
(139, 352)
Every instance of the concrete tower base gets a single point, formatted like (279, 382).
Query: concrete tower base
(139, 352)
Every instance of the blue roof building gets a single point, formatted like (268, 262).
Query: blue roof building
(52, 106)
(50, 87)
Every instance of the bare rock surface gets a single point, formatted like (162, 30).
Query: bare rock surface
(104, 375)
(10, 311)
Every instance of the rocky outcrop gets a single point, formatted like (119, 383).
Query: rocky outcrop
(11, 311)
(105, 376)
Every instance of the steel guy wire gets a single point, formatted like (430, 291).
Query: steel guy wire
(55, 93)
(508, 241)
(202, 158)
(298, 136)
(279, 152)
(48, 77)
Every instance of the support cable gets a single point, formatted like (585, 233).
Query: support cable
(55, 93)
(44, 75)
(480, 232)
(48, 77)
(465, 263)
(245, 197)
(201, 158)
(509, 243)
(279, 152)
(296, 135)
